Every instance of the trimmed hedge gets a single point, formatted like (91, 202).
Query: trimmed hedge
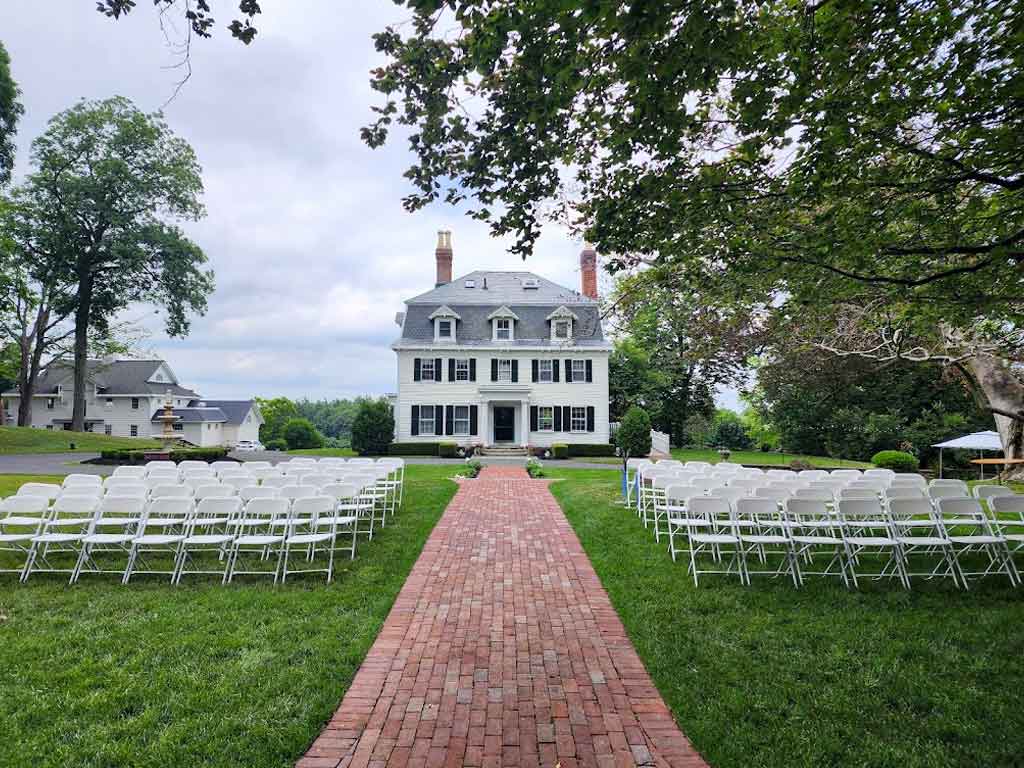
(559, 451)
(447, 449)
(591, 449)
(277, 444)
(897, 461)
(413, 449)
(177, 455)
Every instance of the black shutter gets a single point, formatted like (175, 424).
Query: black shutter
(451, 369)
(567, 418)
(472, 420)
(568, 371)
(416, 369)
(533, 418)
(438, 419)
(535, 366)
(590, 418)
(554, 370)
(472, 369)
(515, 371)
(415, 430)
(494, 369)
(437, 369)
(558, 417)
(590, 371)
(449, 419)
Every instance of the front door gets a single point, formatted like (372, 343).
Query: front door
(504, 424)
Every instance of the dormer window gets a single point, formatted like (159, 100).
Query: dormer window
(503, 329)
(444, 319)
(561, 324)
(562, 329)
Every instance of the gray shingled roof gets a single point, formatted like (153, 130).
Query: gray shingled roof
(502, 288)
(119, 377)
(194, 415)
(234, 410)
(473, 305)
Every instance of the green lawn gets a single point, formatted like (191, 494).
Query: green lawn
(152, 675)
(739, 457)
(343, 452)
(773, 676)
(31, 440)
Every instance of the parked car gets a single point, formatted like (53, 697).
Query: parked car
(249, 445)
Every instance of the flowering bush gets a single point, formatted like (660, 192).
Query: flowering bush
(534, 468)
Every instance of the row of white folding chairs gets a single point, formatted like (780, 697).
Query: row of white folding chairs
(734, 533)
(84, 528)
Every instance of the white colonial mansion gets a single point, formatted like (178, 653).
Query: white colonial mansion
(125, 397)
(502, 359)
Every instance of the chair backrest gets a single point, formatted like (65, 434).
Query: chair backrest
(679, 494)
(313, 507)
(909, 508)
(947, 482)
(769, 492)
(134, 472)
(161, 464)
(277, 481)
(803, 511)
(175, 491)
(121, 511)
(254, 465)
(882, 474)
(708, 483)
(192, 465)
(223, 466)
(220, 507)
(731, 493)
(908, 478)
(700, 466)
(874, 483)
(204, 473)
(258, 492)
(904, 492)
(340, 491)
(297, 491)
(361, 461)
(30, 508)
(317, 480)
(959, 506)
(634, 463)
(215, 491)
(863, 512)
(815, 494)
(937, 492)
(200, 480)
(127, 488)
(299, 471)
(261, 513)
(238, 482)
(713, 508)
(746, 483)
(812, 474)
(48, 491)
(754, 509)
(80, 479)
(1012, 503)
(786, 474)
(167, 513)
(162, 475)
(848, 474)
(858, 493)
(70, 505)
(991, 491)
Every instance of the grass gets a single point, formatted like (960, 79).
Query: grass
(32, 440)
(100, 675)
(773, 676)
(739, 457)
(343, 452)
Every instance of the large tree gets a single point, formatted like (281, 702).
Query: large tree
(100, 209)
(10, 112)
(854, 165)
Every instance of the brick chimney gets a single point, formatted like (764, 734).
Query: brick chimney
(588, 271)
(443, 254)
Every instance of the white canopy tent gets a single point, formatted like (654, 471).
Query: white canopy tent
(976, 441)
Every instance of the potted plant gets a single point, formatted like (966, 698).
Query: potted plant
(724, 453)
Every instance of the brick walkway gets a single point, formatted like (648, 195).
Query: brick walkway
(502, 649)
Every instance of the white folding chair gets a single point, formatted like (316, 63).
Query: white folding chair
(256, 536)
(763, 531)
(215, 491)
(317, 479)
(782, 474)
(814, 530)
(965, 524)
(112, 532)
(252, 466)
(77, 481)
(846, 475)
(161, 532)
(258, 492)
(190, 466)
(773, 492)
(48, 491)
(209, 530)
(949, 482)
(1009, 518)
(717, 538)
(350, 505)
(157, 465)
(633, 466)
(238, 481)
(162, 477)
(811, 475)
(167, 491)
(885, 475)
(658, 504)
(21, 519)
(70, 520)
(277, 481)
(224, 466)
(195, 478)
(904, 492)
(135, 473)
(909, 478)
(920, 535)
(296, 492)
(867, 530)
(985, 492)
(312, 527)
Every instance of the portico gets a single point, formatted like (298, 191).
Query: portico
(505, 414)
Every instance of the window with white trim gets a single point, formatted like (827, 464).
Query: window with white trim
(135, 403)
(545, 370)
(178, 426)
(546, 418)
(108, 403)
(461, 419)
(427, 369)
(50, 403)
(134, 430)
(579, 419)
(108, 430)
(503, 328)
(426, 419)
(579, 370)
(561, 329)
(444, 329)
(462, 370)
(505, 370)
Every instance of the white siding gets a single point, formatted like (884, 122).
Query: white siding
(445, 392)
(120, 415)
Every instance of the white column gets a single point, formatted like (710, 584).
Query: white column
(484, 421)
(524, 420)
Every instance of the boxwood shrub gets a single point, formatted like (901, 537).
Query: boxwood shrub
(591, 449)
(559, 451)
(413, 449)
(447, 449)
(897, 461)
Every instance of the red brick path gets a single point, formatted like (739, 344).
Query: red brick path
(502, 649)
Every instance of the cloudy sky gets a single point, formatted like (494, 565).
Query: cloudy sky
(305, 229)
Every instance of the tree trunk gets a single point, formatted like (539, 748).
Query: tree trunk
(1005, 395)
(26, 384)
(81, 359)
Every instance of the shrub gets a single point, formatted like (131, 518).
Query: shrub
(634, 435)
(559, 451)
(799, 465)
(300, 433)
(534, 468)
(473, 467)
(373, 427)
(413, 449)
(276, 444)
(198, 454)
(591, 449)
(897, 461)
(729, 431)
(447, 449)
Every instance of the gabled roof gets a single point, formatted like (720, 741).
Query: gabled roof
(444, 311)
(193, 415)
(562, 311)
(234, 411)
(113, 377)
(501, 288)
(503, 311)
